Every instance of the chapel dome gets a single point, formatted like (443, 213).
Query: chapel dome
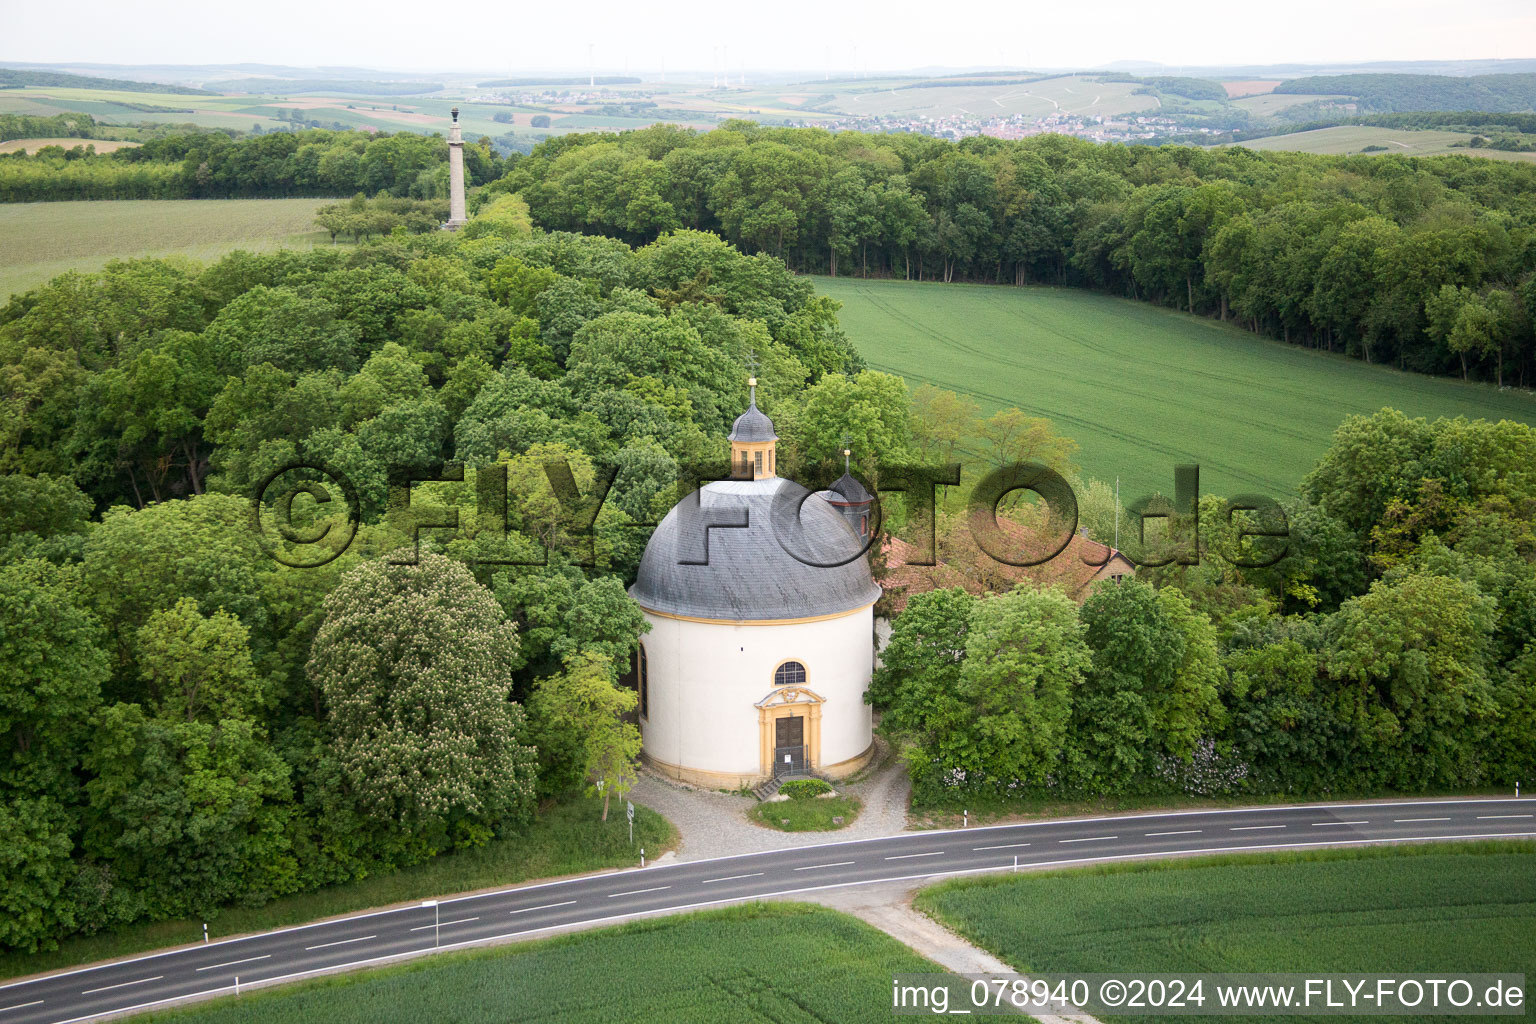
(751, 574)
(753, 426)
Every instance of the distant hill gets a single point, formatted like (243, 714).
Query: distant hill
(1388, 94)
(502, 83)
(17, 77)
(288, 86)
(1189, 88)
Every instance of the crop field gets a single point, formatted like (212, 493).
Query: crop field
(1401, 910)
(1139, 387)
(1070, 95)
(1271, 103)
(39, 241)
(768, 962)
(33, 145)
(1354, 138)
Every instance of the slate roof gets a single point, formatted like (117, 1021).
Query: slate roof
(753, 425)
(751, 574)
(850, 491)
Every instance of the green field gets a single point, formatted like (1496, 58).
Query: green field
(1272, 104)
(1140, 387)
(39, 241)
(1405, 910)
(1346, 139)
(773, 963)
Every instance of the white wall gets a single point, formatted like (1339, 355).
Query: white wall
(705, 679)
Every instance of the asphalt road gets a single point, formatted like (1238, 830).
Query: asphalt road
(295, 952)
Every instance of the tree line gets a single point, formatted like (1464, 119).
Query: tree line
(1338, 253)
(1389, 650)
(212, 165)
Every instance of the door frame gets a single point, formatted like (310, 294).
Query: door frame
(786, 702)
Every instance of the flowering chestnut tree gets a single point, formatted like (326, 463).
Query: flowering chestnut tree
(414, 662)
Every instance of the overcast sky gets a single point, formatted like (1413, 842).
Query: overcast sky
(798, 35)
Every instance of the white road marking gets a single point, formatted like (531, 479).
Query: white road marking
(1315, 824)
(341, 942)
(1181, 832)
(1420, 819)
(813, 867)
(108, 988)
(1087, 839)
(637, 892)
(547, 906)
(731, 878)
(1008, 846)
(909, 856)
(247, 960)
(444, 924)
(22, 1006)
(1481, 817)
(1252, 828)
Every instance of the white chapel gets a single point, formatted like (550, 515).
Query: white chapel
(761, 608)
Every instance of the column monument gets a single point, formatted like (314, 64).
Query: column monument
(456, 216)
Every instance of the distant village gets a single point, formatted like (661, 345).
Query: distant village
(1016, 126)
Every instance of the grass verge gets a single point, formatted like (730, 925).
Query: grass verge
(566, 839)
(809, 814)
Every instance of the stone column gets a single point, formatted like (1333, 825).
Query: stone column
(456, 214)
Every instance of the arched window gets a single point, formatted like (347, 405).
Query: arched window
(643, 678)
(790, 673)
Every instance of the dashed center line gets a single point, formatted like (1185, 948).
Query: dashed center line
(1315, 824)
(1419, 819)
(1007, 846)
(341, 942)
(1087, 839)
(125, 984)
(232, 963)
(22, 1006)
(731, 878)
(909, 856)
(547, 906)
(813, 867)
(1252, 828)
(637, 892)
(1181, 832)
(1482, 817)
(444, 924)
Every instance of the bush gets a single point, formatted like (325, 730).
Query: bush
(803, 789)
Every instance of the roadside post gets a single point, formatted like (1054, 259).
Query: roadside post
(437, 935)
(629, 812)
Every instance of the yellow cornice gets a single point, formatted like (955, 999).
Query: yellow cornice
(757, 622)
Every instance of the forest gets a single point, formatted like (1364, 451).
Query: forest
(1388, 649)
(1347, 254)
(1387, 93)
(185, 724)
(212, 165)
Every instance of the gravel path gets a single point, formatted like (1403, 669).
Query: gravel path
(715, 824)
